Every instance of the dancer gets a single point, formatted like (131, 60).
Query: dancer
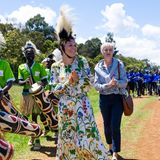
(29, 73)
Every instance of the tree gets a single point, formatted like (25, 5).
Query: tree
(37, 38)
(110, 39)
(13, 49)
(38, 24)
(91, 48)
(131, 63)
(5, 28)
(48, 46)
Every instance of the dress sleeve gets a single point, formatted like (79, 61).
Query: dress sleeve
(84, 83)
(82, 86)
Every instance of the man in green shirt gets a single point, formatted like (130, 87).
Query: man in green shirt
(29, 73)
(6, 81)
(6, 78)
(6, 74)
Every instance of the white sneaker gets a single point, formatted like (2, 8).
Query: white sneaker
(114, 158)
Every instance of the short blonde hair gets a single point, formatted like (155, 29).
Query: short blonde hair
(106, 44)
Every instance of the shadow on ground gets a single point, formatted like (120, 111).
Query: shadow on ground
(122, 158)
(49, 151)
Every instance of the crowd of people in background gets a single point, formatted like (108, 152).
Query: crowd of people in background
(142, 83)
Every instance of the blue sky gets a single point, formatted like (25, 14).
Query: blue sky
(135, 23)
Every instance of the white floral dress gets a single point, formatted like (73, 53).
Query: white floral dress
(79, 137)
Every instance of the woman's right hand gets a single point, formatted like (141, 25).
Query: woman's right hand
(113, 82)
(73, 78)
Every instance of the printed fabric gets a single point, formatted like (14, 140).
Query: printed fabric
(79, 138)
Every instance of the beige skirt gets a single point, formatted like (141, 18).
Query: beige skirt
(28, 105)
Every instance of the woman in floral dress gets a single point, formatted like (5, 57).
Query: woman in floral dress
(79, 138)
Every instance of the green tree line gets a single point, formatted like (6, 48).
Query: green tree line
(44, 37)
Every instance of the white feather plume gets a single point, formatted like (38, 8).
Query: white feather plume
(65, 19)
(2, 40)
(30, 44)
(57, 55)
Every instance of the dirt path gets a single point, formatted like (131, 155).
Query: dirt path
(148, 144)
(145, 147)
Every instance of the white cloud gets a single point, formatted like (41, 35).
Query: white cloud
(144, 45)
(2, 19)
(151, 31)
(116, 20)
(131, 40)
(26, 12)
(139, 48)
(81, 40)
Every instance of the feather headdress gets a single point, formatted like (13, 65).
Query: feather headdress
(2, 40)
(64, 24)
(57, 56)
(31, 45)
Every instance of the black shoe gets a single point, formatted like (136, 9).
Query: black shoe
(110, 152)
(37, 145)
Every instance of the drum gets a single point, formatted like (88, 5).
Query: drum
(7, 106)
(6, 150)
(46, 105)
(13, 124)
(12, 121)
(53, 98)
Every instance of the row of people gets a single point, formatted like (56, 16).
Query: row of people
(78, 135)
(143, 83)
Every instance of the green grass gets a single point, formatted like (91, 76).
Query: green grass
(131, 126)
(20, 141)
(139, 112)
(15, 93)
(94, 99)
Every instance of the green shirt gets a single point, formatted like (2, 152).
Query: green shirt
(6, 73)
(38, 73)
